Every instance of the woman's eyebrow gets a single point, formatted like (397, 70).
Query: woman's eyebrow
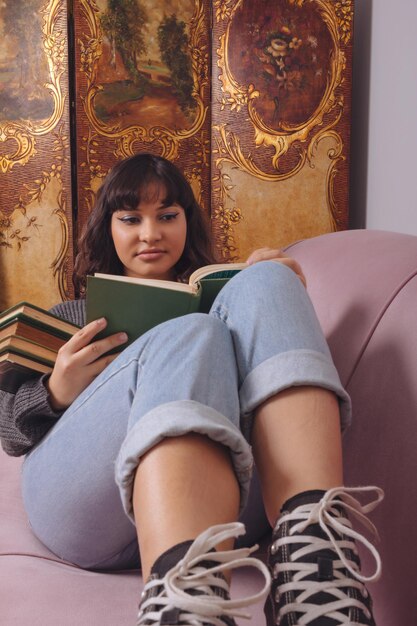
(167, 203)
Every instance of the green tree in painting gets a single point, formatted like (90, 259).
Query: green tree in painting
(173, 44)
(124, 23)
(22, 24)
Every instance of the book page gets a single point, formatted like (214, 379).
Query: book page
(150, 282)
(217, 270)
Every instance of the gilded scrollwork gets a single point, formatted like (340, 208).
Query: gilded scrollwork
(89, 145)
(335, 155)
(223, 9)
(344, 13)
(24, 145)
(127, 137)
(58, 264)
(225, 215)
(236, 95)
(20, 224)
(23, 133)
(202, 149)
(228, 149)
(281, 95)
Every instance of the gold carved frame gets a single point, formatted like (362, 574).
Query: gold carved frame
(169, 140)
(25, 133)
(29, 150)
(338, 16)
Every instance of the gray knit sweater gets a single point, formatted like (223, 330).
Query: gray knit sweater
(26, 416)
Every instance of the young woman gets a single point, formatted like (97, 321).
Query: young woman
(151, 451)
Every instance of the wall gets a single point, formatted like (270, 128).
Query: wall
(384, 112)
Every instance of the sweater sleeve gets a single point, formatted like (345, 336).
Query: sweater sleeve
(26, 416)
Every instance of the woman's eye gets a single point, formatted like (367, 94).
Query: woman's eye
(129, 219)
(168, 217)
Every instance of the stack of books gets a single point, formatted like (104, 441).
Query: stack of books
(30, 338)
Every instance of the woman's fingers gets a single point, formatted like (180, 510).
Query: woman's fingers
(78, 363)
(264, 254)
(83, 337)
(89, 354)
(295, 267)
(82, 350)
(275, 254)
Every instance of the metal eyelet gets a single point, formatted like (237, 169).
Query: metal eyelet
(277, 596)
(274, 548)
(275, 571)
(367, 613)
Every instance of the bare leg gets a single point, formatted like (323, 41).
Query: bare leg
(182, 486)
(297, 448)
(297, 445)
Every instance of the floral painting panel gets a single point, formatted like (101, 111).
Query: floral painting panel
(284, 51)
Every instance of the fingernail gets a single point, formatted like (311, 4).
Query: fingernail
(101, 321)
(122, 337)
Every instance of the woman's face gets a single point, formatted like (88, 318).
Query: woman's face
(150, 239)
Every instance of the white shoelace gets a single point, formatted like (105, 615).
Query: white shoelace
(188, 574)
(327, 513)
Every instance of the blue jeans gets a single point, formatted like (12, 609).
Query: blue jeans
(198, 373)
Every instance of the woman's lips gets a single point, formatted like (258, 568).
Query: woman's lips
(151, 255)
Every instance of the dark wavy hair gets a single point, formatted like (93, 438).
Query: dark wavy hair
(130, 181)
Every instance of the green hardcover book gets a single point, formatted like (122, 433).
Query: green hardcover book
(136, 305)
(39, 318)
(29, 340)
(41, 335)
(27, 348)
(17, 368)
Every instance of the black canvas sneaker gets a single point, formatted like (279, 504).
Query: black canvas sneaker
(187, 586)
(314, 561)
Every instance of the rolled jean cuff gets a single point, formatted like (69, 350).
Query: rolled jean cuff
(175, 419)
(294, 368)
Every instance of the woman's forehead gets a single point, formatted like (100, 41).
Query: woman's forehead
(153, 191)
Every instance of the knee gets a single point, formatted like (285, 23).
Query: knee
(194, 329)
(266, 277)
(270, 270)
(260, 288)
(208, 328)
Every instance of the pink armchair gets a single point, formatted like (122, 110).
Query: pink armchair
(364, 287)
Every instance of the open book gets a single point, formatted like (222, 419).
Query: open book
(135, 305)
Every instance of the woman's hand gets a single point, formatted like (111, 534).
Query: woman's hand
(272, 254)
(79, 362)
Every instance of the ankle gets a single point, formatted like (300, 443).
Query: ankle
(195, 568)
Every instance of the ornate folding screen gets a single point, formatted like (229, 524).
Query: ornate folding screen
(36, 249)
(251, 99)
(280, 121)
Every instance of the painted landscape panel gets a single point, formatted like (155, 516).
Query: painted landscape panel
(142, 72)
(145, 70)
(23, 64)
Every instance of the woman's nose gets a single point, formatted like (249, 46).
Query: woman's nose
(149, 231)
